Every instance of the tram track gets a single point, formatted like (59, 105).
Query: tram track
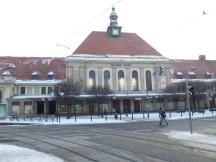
(148, 137)
(123, 158)
(42, 135)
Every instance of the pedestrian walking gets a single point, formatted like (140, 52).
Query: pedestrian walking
(162, 115)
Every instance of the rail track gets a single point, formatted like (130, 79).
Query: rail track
(46, 137)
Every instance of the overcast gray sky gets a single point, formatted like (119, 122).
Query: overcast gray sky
(176, 28)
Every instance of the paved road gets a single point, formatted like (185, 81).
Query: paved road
(131, 142)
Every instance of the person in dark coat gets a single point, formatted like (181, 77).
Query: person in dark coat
(162, 115)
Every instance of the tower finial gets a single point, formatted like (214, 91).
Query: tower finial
(113, 17)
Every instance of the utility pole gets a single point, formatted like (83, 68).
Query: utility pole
(188, 106)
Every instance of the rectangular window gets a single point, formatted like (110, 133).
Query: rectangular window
(17, 90)
(50, 90)
(36, 91)
(43, 90)
(29, 90)
(22, 90)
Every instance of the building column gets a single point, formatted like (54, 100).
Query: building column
(100, 75)
(121, 105)
(22, 109)
(110, 105)
(131, 105)
(69, 70)
(128, 80)
(83, 77)
(140, 106)
(143, 103)
(9, 107)
(34, 104)
(142, 80)
(45, 107)
(85, 107)
(75, 72)
(114, 79)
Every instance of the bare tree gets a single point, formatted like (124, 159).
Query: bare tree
(70, 90)
(200, 88)
(100, 93)
(175, 88)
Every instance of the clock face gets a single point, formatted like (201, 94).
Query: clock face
(115, 31)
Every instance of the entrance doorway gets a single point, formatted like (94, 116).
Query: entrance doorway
(137, 106)
(91, 108)
(116, 105)
(52, 107)
(40, 107)
(126, 106)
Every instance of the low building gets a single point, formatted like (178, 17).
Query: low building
(27, 84)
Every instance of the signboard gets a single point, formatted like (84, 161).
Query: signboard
(3, 109)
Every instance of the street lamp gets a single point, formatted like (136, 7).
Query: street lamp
(147, 106)
(188, 106)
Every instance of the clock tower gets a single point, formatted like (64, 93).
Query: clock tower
(113, 30)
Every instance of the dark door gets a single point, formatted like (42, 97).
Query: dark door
(52, 107)
(126, 106)
(136, 106)
(40, 107)
(91, 108)
(116, 105)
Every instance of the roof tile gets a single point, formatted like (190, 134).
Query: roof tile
(98, 43)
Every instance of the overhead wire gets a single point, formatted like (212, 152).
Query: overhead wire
(88, 23)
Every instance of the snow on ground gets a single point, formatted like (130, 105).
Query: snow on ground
(9, 153)
(195, 137)
(111, 119)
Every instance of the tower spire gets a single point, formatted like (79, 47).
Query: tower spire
(113, 30)
(113, 17)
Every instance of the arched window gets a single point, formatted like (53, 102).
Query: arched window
(0, 96)
(148, 81)
(121, 81)
(134, 81)
(92, 80)
(106, 78)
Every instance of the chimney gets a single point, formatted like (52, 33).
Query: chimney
(202, 57)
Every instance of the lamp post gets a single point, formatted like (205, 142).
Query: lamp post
(188, 106)
(61, 94)
(147, 106)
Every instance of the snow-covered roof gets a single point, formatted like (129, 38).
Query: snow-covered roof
(193, 80)
(133, 95)
(35, 73)
(38, 82)
(51, 73)
(117, 58)
(179, 73)
(191, 73)
(31, 97)
(207, 73)
(6, 73)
